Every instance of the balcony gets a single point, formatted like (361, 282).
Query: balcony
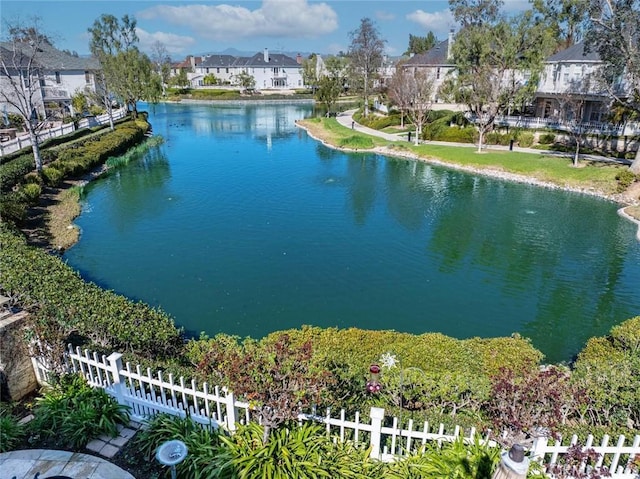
(52, 93)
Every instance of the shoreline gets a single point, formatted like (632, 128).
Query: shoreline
(623, 201)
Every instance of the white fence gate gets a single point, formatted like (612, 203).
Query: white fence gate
(147, 393)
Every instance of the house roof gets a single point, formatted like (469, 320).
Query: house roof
(275, 59)
(435, 56)
(574, 53)
(213, 61)
(50, 58)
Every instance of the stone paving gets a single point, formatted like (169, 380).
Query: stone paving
(28, 463)
(44, 463)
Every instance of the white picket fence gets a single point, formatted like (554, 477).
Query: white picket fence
(148, 393)
(24, 141)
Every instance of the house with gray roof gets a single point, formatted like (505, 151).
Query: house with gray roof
(571, 72)
(60, 76)
(270, 70)
(436, 62)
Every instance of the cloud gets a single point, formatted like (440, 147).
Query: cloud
(437, 22)
(384, 16)
(172, 42)
(275, 18)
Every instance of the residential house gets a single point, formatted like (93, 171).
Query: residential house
(570, 73)
(273, 70)
(436, 62)
(221, 66)
(60, 76)
(270, 70)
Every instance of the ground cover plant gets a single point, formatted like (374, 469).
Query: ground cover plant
(71, 413)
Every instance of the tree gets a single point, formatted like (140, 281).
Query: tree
(566, 18)
(399, 91)
(245, 80)
(490, 55)
(127, 71)
(20, 73)
(310, 73)
(420, 44)
(210, 79)
(331, 84)
(161, 63)
(571, 105)
(180, 81)
(614, 32)
(413, 93)
(365, 53)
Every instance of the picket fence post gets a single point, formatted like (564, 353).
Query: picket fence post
(115, 365)
(230, 403)
(538, 448)
(377, 416)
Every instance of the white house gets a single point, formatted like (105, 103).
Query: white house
(60, 76)
(270, 70)
(571, 72)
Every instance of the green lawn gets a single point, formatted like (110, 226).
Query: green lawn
(557, 170)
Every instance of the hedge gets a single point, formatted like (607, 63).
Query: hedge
(107, 319)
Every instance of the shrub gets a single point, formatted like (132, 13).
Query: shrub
(625, 179)
(108, 319)
(52, 176)
(525, 139)
(72, 413)
(31, 192)
(356, 142)
(12, 208)
(11, 431)
(34, 178)
(547, 139)
(13, 172)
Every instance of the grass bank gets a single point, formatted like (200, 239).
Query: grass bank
(591, 177)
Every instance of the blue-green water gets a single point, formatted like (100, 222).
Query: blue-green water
(241, 223)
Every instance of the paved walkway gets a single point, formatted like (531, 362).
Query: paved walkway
(346, 119)
(28, 463)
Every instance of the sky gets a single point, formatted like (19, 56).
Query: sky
(199, 27)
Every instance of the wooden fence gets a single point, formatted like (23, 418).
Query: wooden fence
(24, 141)
(148, 393)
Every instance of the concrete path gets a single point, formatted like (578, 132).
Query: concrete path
(46, 463)
(346, 119)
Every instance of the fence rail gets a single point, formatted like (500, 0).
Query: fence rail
(23, 141)
(148, 393)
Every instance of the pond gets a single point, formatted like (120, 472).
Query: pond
(241, 223)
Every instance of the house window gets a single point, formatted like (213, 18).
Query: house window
(438, 74)
(565, 77)
(227, 70)
(87, 77)
(57, 77)
(42, 82)
(275, 70)
(217, 70)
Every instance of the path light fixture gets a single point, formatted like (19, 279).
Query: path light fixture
(171, 453)
(513, 464)
(373, 384)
